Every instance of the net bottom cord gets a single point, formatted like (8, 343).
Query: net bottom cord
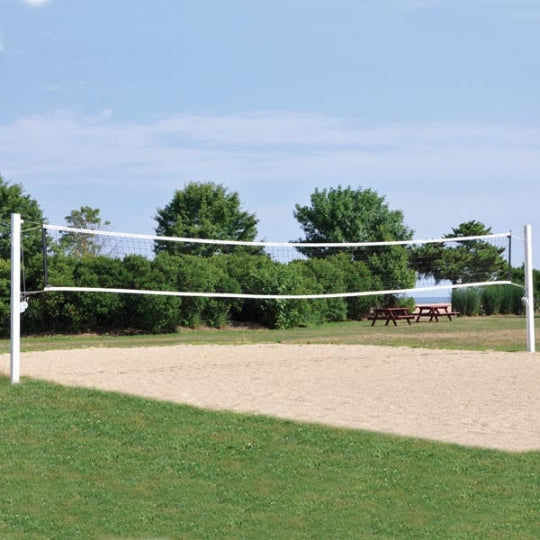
(272, 296)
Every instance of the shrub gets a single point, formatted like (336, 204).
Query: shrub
(322, 276)
(467, 301)
(5, 297)
(150, 313)
(196, 274)
(78, 311)
(357, 277)
(518, 276)
(259, 274)
(502, 299)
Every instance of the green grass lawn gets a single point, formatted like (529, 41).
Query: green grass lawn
(505, 333)
(85, 464)
(77, 463)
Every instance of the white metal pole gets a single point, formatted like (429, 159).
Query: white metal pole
(529, 290)
(15, 297)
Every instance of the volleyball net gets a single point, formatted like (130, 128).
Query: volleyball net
(254, 278)
(96, 261)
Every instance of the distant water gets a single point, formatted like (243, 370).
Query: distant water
(431, 299)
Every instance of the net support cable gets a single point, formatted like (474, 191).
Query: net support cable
(276, 296)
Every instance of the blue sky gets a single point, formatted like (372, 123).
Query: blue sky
(434, 104)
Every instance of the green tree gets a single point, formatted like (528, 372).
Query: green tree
(86, 218)
(80, 244)
(13, 199)
(465, 261)
(204, 210)
(359, 215)
(350, 215)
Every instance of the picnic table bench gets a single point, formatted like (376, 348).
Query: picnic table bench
(393, 314)
(434, 311)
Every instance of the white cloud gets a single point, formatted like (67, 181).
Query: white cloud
(439, 174)
(260, 147)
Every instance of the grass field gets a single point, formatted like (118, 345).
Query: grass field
(86, 464)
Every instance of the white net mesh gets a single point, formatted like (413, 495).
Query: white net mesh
(86, 260)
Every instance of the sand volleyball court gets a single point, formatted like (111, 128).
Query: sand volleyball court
(486, 399)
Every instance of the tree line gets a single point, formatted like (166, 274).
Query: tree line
(209, 210)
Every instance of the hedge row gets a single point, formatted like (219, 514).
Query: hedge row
(234, 273)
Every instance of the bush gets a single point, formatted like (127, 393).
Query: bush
(258, 274)
(150, 313)
(490, 300)
(467, 301)
(502, 300)
(322, 276)
(5, 297)
(196, 274)
(518, 276)
(357, 277)
(78, 311)
(100, 312)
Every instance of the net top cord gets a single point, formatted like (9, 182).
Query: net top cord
(178, 239)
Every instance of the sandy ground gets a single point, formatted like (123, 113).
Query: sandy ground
(487, 399)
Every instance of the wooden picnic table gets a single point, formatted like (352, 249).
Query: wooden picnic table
(434, 311)
(393, 314)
